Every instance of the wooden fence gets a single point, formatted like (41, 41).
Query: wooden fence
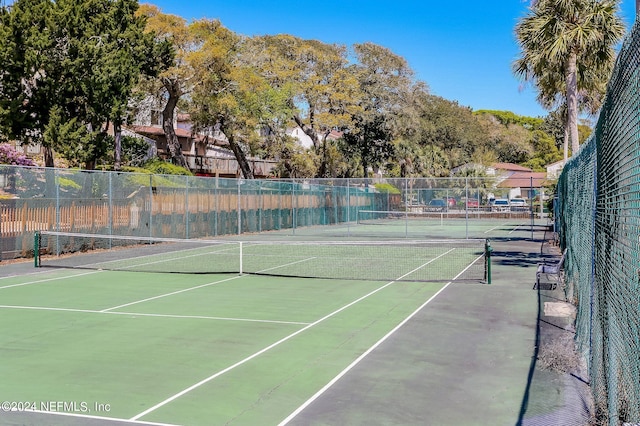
(171, 214)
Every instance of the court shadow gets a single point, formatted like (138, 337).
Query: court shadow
(553, 397)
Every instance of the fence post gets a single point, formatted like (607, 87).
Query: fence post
(186, 207)
(151, 205)
(36, 249)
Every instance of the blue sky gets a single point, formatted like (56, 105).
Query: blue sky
(462, 49)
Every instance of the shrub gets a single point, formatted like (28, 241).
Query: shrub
(387, 188)
(163, 168)
(9, 155)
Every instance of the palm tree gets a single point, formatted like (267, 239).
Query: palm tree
(567, 52)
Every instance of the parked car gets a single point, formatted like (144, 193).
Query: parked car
(500, 205)
(437, 205)
(451, 202)
(472, 203)
(518, 204)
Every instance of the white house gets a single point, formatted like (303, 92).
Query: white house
(554, 169)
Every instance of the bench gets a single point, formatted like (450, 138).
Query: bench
(551, 270)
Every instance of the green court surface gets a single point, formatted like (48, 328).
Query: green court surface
(114, 347)
(436, 226)
(253, 348)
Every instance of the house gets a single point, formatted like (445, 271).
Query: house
(512, 179)
(496, 169)
(502, 169)
(206, 154)
(554, 169)
(523, 184)
(305, 140)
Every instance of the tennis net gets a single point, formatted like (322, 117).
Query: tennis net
(395, 217)
(405, 260)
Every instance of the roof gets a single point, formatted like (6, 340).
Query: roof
(181, 133)
(510, 167)
(159, 131)
(524, 180)
(334, 134)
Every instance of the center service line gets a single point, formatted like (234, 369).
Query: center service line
(273, 345)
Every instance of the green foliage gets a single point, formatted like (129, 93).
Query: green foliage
(67, 183)
(446, 127)
(163, 168)
(135, 151)
(507, 117)
(79, 61)
(387, 188)
(89, 55)
(567, 53)
(73, 141)
(545, 151)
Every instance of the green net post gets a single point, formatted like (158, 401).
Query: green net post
(36, 249)
(487, 258)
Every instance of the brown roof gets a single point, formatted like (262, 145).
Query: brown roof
(524, 180)
(510, 167)
(334, 134)
(158, 131)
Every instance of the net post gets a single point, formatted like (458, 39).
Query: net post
(240, 266)
(36, 249)
(487, 259)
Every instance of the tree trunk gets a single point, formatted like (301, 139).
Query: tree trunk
(241, 158)
(173, 144)
(323, 170)
(308, 130)
(566, 142)
(572, 103)
(48, 156)
(365, 163)
(117, 155)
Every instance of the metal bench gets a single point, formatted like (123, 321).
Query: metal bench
(550, 270)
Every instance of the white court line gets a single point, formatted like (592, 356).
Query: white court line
(139, 314)
(200, 286)
(273, 345)
(106, 262)
(516, 228)
(367, 352)
(23, 275)
(184, 290)
(44, 308)
(286, 264)
(206, 317)
(489, 230)
(112, 419)
(50, 279)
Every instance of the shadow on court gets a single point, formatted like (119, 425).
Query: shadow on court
(469, 357)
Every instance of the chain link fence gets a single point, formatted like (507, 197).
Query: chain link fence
(599, 222)
(168, 206)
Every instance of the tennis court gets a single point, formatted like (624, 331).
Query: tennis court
(105, 341)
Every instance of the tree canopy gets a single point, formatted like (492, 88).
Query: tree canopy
(76, 71)
(567, 52)
(72, 68)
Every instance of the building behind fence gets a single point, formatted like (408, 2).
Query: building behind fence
(599, 223)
